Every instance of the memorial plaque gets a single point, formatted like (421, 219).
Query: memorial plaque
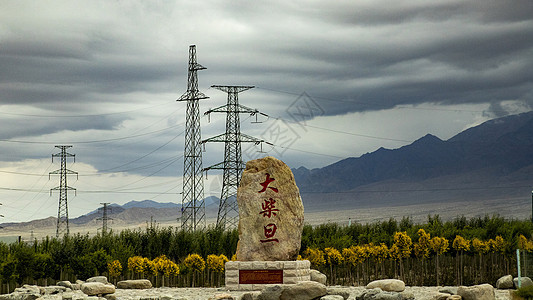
(260, 276)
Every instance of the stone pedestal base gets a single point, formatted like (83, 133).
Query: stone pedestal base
(255, 275)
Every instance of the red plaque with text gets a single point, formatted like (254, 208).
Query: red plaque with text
(260, 276)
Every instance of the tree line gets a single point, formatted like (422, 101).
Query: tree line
(461, 251)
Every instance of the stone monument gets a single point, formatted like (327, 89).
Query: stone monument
(271, 217)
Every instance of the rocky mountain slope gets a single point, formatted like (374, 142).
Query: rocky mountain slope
(492, 160)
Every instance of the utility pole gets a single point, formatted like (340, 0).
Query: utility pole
(62, 212)
(193, 206)
(232, 166)
(104, 217)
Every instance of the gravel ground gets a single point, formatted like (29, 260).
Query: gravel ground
(420, 293)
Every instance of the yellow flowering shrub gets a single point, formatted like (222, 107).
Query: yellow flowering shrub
(194, 262)
(461, 244)
(439, 245)
(333, 256)
(165, 266)
(381, 252)
(114, 268)
(136, 264)
(479, 246)
(422, 248)
(499, 244)
(403, 242)
(216, 262)
(354, 255)
(315, 256)
(524, 243)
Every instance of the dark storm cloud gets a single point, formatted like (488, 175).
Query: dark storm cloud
(374, 55)
(349, 56)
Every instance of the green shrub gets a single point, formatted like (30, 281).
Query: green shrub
(525, 292)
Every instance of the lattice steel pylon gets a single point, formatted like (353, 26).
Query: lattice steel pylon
(104, 217)
(193, 206)
(232, 166)
(62, 212)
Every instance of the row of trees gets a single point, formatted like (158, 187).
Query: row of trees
(427, 261)
(358, 253)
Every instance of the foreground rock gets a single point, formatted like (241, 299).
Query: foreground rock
(505, 282)
(524, 282)
(350, 293)
(378, 294)
(477, 292)
(101, 279)
(97, 288)
(388, 285)
(318, 276)
(134, 284)
(305, 290)
(271, 213)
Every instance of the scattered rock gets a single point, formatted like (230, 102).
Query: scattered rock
(441, 296)
(97, 288)
(335, 291)
(304, 290)
(110, 297)
(454, 297)
(271, 213)
(379, 294)
(524, 281)
(318, 276)
(332, 297)
(505, 282)
(477, 292)
(101, 279)
(65, 283)
(270, 292)
(452, 290)
(407, 295)
(388, 285)
(134, 284)
(250, 296)
(52, 290)
(29, 289)
(222, 297)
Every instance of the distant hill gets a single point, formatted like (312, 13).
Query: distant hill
(150, 203)
(494, 159)
(133, 212)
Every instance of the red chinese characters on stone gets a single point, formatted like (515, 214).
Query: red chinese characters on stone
(270, 231)
(269, 208)
(266, 183)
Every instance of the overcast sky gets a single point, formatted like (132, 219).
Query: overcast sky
(336, 79)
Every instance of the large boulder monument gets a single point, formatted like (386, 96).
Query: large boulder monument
(271, 219)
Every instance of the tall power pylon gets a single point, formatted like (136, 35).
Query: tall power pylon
(232, 166)
(62, 212)
(104, 217)
(193, 206)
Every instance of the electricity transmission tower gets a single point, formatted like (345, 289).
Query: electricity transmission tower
(104, 217)
(232, 166)
(62, 212)
(193, 206)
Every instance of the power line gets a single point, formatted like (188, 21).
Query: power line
(91, 141)
(373, 104)
(83, 116)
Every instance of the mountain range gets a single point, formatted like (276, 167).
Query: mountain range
(489, 162)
